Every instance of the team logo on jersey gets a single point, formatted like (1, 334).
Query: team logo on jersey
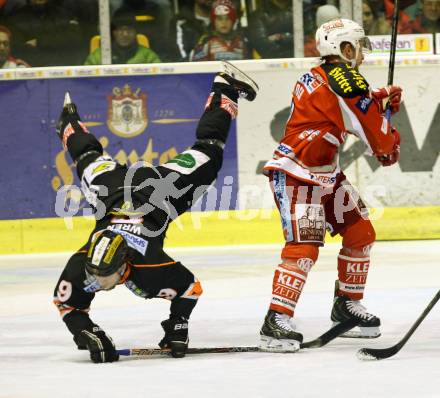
(134, 241)
(364, 104)
(310, 222)
(284, 149)
(136, 290)
(187, 162)
(309, 82)
(184, 160)
(127, 112)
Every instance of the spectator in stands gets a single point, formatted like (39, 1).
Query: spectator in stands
(404, 25)
(271, 29)
(427, 20)
(7, 6)
(152, 21)
(324, 13)
(45, 33)
(187, 27)
(373, 22)
(224, 42)
(86, 12)
(125, 47)
(7, 61)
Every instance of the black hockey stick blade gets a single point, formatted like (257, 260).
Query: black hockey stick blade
(366, 354)
(149, 352)
(331, 334)
(383, 353)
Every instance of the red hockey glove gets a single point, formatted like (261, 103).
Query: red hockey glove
(382, 95)
(393, 157)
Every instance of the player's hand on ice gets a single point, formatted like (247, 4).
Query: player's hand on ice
(393, 157)
(100, 346)
(391, 94)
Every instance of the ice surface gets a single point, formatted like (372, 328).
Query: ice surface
(38, 357)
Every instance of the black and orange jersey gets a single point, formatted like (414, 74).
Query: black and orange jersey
(150, 272)
(329, 102)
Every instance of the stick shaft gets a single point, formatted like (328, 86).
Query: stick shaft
(392, 54)
(420, 318)
(393, 43)
(329, 335)
(204, 350)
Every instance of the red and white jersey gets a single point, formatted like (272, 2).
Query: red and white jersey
(329, 102)
(216, 48)
(12, 63)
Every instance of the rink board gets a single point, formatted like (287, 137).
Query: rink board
(246, 227)
(172, 97)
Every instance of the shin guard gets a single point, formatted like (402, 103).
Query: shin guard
(291, 275)
(354, 259)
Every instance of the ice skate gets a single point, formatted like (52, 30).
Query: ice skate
(278, 334)
(176, 336)
(241, 82)
(344, 308)
(69, 115)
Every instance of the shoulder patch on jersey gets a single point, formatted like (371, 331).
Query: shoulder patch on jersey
(187, 162)
(345, 80)
(364, 104)
(310, 82)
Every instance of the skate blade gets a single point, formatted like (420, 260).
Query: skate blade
(238, 74)
(361, 332)
(67, 99)
(270, 344)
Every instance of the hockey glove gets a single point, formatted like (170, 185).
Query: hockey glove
(176, 336)
(391, 94)
(393, 157)
(100, 345)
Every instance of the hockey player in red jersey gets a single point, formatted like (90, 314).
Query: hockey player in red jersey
(126, 245)
(311, 192)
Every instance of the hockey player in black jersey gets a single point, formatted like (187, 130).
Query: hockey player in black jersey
(133, 208)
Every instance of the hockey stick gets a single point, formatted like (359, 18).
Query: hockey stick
(392, 53)
(149, 352)
(331, 334)
(382, 353)
(322, 340)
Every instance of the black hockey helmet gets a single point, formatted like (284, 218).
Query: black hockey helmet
(107, 253)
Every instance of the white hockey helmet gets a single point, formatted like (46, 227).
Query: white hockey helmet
(332, 34)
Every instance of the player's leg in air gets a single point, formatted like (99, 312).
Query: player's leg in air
(211, 136)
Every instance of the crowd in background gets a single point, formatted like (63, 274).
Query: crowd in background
(66, 32)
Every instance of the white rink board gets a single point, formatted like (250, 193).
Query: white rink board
(421, 87)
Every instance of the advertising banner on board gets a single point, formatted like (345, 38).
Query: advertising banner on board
(136, 118)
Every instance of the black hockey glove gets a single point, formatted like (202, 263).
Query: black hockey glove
(176, 336)
(100, 346)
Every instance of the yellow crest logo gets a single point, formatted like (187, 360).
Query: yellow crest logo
(127, 112)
